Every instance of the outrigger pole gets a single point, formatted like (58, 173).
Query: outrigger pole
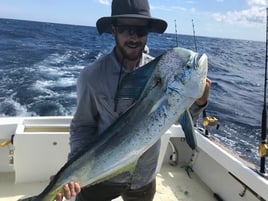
(263, 148)
(194, 36)
(177, 44)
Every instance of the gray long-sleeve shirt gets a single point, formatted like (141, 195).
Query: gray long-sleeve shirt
(96, 90)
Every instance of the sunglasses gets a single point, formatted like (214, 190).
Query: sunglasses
(140, 30)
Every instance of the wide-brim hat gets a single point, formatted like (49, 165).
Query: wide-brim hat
(138, 9)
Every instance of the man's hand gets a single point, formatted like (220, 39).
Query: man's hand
(203, 100)
(70, 190)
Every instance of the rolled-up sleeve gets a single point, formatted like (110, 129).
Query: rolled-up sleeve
(195, 110)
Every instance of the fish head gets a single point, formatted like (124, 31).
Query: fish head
(182, 73)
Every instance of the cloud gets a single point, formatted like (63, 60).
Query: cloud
(172, 8)
(254, 16)
(190, 2)
(105, 2)
(257, 2)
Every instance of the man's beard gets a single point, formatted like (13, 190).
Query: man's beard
(129, 44)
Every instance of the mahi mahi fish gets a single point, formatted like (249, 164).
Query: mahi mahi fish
(164, 89)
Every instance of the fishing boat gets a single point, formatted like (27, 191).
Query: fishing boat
(34, 148)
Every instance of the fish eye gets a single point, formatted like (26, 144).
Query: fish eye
(158, 81)
(188, 66)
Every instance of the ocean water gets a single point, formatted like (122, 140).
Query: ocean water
(40, 62)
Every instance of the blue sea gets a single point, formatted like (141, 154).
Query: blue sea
(40, 62)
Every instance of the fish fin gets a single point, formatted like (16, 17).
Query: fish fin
(134, 82)
(28, 199)
(188, 127)
(159, 102)
(129, 168)
(132, 167)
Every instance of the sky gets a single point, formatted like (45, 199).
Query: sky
(237, 19)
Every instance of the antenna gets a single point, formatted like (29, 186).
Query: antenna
(177, 44)
(263, 148)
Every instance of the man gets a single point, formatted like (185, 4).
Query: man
(98, 106)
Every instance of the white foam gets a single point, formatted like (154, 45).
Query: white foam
(19, 110)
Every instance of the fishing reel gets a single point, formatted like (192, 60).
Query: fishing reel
(210, 121)
(263, 150)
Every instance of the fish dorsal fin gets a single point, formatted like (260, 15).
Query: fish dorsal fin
(134, 82)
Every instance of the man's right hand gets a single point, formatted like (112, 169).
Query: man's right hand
(70, 190)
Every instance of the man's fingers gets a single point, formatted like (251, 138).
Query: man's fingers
(77, 187)
(59, 197)
(207, 89)
(203, 99)
(71, 189)
(67, 191)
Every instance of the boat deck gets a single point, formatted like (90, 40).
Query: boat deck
(173, 184)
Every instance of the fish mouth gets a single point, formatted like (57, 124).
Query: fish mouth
(202, 69)
(184, 84)
(203, 62)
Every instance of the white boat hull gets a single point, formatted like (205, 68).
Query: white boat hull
(40, 147)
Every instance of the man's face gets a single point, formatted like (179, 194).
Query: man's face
(131, 37)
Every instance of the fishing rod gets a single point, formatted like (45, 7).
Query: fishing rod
(194, 36)
(177, 44)
(207, 120)
(263, 147)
